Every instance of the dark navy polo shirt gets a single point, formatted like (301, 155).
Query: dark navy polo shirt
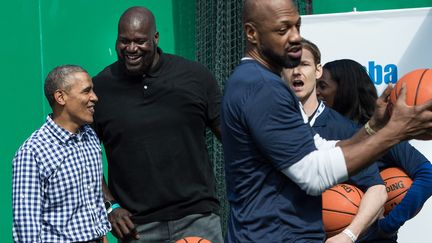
(263, 132)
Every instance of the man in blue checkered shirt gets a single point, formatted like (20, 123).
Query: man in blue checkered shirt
(57, 172)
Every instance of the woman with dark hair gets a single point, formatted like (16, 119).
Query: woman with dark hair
(354, 94)
(346, 87)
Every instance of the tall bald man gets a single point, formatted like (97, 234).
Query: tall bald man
(151, 117)
(276, 166)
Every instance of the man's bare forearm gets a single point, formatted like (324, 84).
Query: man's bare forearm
(106, 192)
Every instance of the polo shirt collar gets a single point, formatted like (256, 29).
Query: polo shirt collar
(157, 69)
(321, 120)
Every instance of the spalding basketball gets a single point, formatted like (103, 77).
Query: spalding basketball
(193, 239)
(418, 86)
(339, 207)
(397, 183)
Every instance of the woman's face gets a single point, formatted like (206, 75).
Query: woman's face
(326, 88)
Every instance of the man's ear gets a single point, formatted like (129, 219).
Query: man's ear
(319, 71)
(59, 97)
(251, 33)
(156, 38)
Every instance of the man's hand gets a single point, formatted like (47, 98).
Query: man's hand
(122, 225)
(411, 122)
(382, 112)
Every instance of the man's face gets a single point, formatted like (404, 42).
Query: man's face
(302, 79)
(279, 35)
(79, 100)
(326, 88)
(136, 46)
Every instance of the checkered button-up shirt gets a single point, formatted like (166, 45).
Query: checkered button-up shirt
(56, 187)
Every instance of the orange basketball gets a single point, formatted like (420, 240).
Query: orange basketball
(340, 205)
(193, 239)
(418, 91)
(397, 183)
(419, 87)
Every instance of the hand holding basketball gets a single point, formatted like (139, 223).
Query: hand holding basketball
(412, 96)
(419, 87)
(382, 112)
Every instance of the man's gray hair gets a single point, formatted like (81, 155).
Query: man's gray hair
(58, 79)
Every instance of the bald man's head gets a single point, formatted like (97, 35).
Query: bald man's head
(272, 32)
(138, 16)
(137, 41)
(257, 11)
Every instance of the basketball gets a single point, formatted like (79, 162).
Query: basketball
(397, 183)
(418, 85)
(193, 239)
(418, 91)
(339, 206)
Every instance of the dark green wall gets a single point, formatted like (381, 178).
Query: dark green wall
(184, 28)
(20, 99)
(38, 35)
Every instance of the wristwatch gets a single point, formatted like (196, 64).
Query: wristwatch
(110, 205)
